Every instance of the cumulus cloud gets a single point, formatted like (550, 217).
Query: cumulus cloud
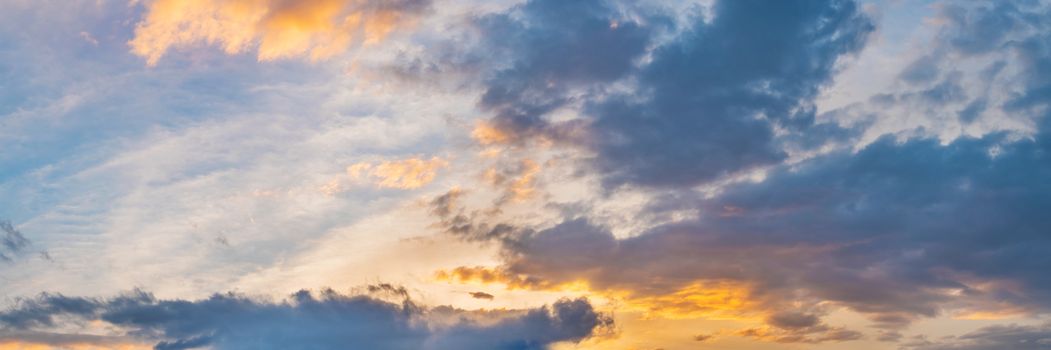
(902, 228)
(323, 320)
(275, 28)
(701, 106)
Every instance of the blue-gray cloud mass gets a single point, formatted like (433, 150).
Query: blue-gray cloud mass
(323, 320)
(901, 228)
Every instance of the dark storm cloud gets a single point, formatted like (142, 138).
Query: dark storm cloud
(325, 320)
(12, 241)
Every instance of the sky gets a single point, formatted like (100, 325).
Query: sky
(525, 174)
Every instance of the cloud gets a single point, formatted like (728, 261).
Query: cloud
(551, 48)
(1016, 337)
(901, 228)
(12, 242)
(703, 337)
(896, 231)
(482, 295)
(324, 320)
(715, 96)
(517, 181)
(29, 340)
(275, 28)
(981, 72)
(813, 335)
(403, 174)
(700, 106)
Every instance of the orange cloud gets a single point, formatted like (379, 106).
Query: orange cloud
(712, 300)
(487, 134)
(518, 181)
(317, 29)
(402, 174)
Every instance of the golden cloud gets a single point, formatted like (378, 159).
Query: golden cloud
(487, 134)
(708, 299)
(317, 29)
(518, 182)
(401, 174)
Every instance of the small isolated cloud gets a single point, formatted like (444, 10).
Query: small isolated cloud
(275, 28)
(89, 38)
(403, 174)
(324, 320)
(482, 295)
(703, 337)
(12, 241)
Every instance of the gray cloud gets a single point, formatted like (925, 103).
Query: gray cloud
(12, 242)
(714, 96)
(324, 320)
(900, 229)
(482, 295)
(700, 106)
(552, 47)
(1015, 337)
(886, 231)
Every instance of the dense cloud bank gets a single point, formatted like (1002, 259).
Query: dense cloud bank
(893, 229)
(701, 106)
(898, 228)
(324, 320)
(714, 97)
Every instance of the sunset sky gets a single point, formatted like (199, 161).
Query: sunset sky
(525, 174)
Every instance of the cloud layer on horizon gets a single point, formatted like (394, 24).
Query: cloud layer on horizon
(322, 320)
